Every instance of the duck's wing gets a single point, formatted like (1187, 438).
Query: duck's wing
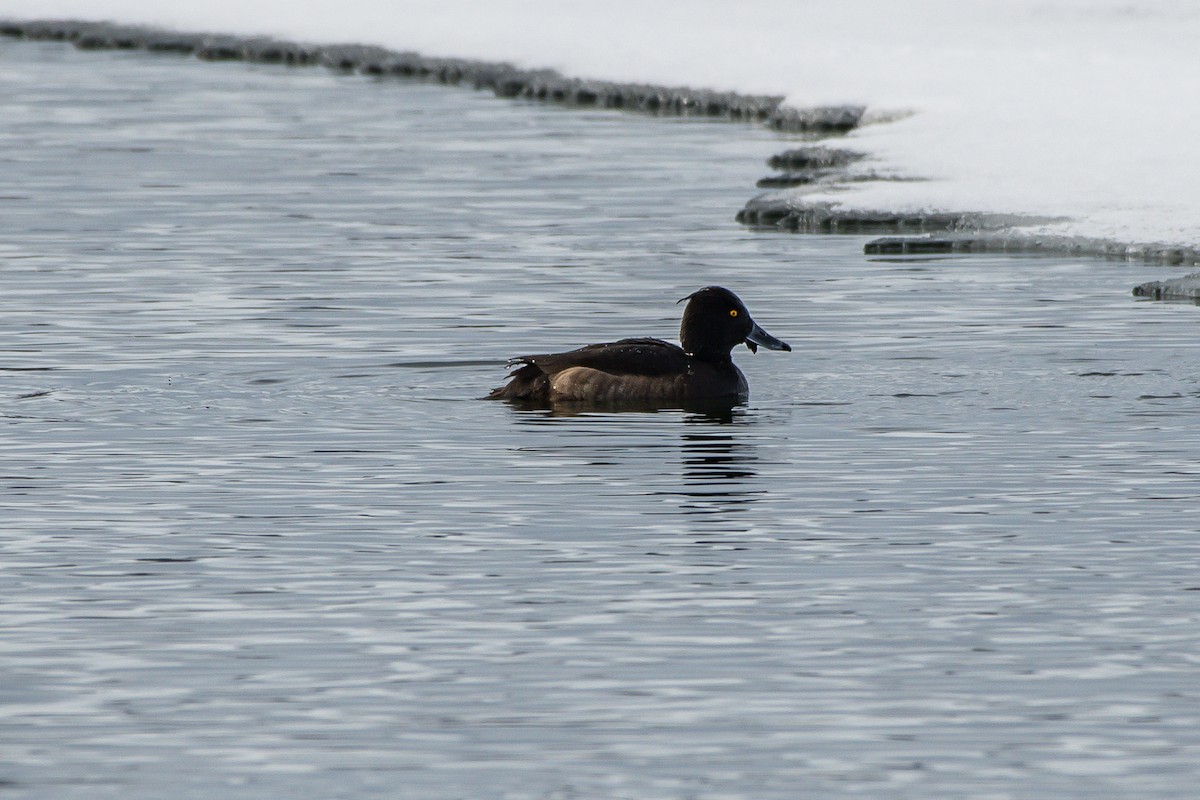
(649, 357)
(643, 357)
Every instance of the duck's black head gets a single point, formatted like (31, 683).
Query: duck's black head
(715, 321)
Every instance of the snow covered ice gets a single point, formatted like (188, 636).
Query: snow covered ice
(1077, 110)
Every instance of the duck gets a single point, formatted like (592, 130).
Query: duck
(647, 370)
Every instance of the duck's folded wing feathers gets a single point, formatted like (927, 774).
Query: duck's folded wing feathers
(649, 357)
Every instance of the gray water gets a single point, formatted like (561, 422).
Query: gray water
(261, 539)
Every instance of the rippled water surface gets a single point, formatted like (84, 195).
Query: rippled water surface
(261, 538)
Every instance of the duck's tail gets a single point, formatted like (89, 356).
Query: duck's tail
(527, 383)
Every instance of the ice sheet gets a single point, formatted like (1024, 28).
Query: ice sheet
(1064, 108)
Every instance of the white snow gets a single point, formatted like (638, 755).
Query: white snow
(1085, 109)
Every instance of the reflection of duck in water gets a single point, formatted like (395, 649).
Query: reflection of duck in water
(716, 459)
(719, 473)
(648, 371)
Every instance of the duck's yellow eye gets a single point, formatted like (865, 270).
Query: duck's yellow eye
(733, 312)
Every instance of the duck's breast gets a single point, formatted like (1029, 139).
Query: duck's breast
(708, 381)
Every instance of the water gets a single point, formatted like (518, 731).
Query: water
(262, 539)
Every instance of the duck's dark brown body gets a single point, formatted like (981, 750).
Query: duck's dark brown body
(628, 371)
(650, 371)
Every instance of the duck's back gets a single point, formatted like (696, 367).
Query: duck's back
(625, 371)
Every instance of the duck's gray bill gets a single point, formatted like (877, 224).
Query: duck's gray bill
(758, 336)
